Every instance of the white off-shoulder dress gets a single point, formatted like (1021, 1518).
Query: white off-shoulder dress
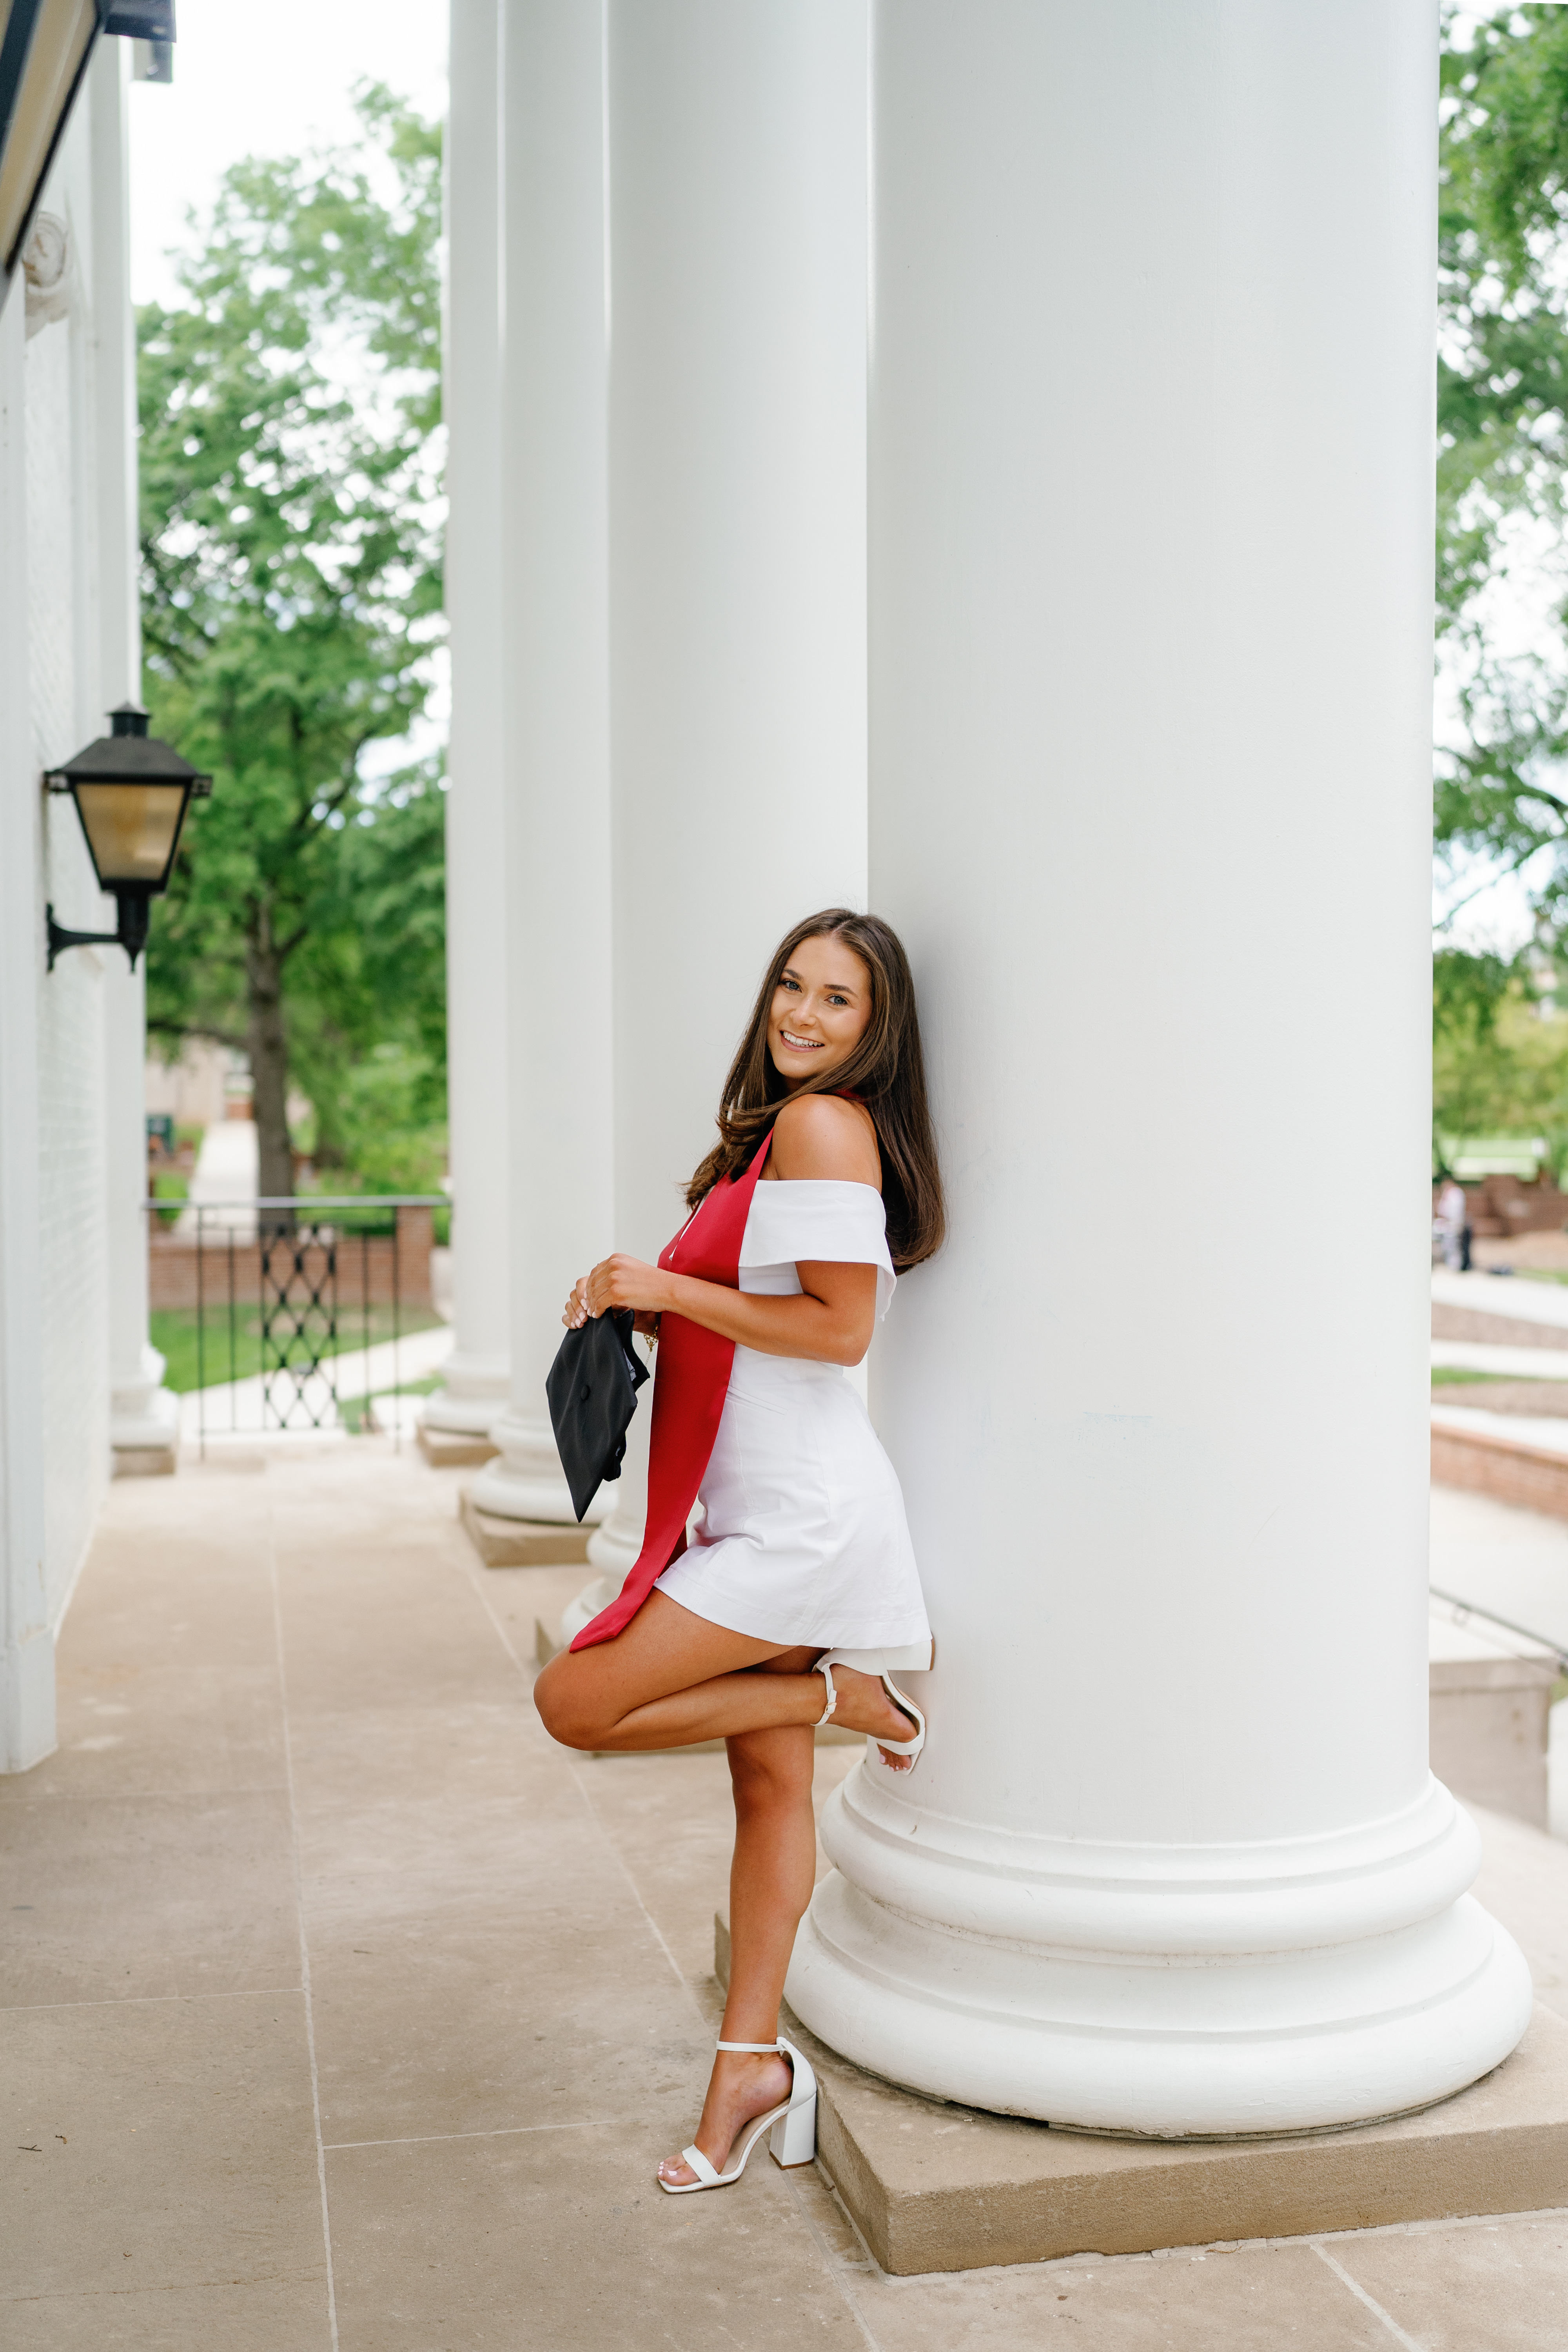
(801, 1537)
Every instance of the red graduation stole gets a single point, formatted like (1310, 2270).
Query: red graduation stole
(690, 1383)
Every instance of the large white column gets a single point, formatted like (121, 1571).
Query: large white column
(1150, 499)
(144, 1416)
(737, 540)
(26, 1641)
(552, 659)
(477, 1374)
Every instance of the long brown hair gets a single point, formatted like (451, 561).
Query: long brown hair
(885, 1070)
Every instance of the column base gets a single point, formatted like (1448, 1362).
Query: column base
(449, 1449)
(473, 1397)
(1168, 1993)
(519, 1543)
(526, 1482)
(615, 1546)
(941, 2188)
(144, 1429)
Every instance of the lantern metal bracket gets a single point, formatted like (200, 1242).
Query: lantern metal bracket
(132, 935)
(127, 759)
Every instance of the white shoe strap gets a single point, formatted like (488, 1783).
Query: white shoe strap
(825, 1671)
(699, 2165)
(763, 2049)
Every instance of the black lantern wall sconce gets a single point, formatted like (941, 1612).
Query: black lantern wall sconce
(132, 793)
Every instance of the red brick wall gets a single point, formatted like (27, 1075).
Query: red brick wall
(1527, 1475)
(178, 1273)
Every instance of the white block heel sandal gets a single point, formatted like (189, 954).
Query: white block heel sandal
(910, 1747)
(790, 2127)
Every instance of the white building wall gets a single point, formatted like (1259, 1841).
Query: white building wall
(74, 1339)
(63, 696)
(26, 1658)
(55, 1375)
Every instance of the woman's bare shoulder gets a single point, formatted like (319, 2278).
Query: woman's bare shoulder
(826, 1138)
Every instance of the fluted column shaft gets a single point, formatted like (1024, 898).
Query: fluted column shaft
(144, 1416)
(1151, 661)
(477, 1373)
(737, 538)
(553, 681)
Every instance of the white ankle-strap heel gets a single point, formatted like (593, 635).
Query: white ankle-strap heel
(911, 1748)
(791, 2126)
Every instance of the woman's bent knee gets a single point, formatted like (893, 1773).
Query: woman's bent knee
(567, 1709)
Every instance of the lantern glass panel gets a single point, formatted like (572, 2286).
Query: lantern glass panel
(133, 829)
(60, 43)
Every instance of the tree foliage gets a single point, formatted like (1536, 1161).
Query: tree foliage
(1498, 1067)
(292, 596)
(1503, 413)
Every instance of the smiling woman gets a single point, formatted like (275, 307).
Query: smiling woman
(798, 1596)
(840, 984)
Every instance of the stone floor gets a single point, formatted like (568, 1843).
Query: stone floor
(401, 2003)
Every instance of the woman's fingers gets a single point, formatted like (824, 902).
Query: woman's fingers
(616, 1282)
(605, 1286)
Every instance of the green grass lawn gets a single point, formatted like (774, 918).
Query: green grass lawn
(171, 1184)
(351, 1410)
(173, 1334)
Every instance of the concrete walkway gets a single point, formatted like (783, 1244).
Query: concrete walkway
(343, 2008)
(1514, 1296)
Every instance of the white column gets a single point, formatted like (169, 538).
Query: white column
(1151, 522)
(553, 661)
(26, 1644)
(737, 548)
(144, 1416)
(477, 1374)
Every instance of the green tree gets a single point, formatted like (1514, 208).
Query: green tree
(1498, 1067)
(291, 595)
(1503, 413)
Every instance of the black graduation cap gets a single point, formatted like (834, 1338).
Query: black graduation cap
(592, 1391)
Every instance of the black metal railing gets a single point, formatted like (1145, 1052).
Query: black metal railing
(290, 1313)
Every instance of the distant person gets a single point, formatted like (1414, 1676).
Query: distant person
(1452, 1219)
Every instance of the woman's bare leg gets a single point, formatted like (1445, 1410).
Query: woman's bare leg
(771, 1879)
(671, 1678)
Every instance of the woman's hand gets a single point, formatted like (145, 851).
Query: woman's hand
(618, 1282)
(621, 1281)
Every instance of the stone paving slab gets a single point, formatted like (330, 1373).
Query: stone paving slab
(493, 2000)
(132, 2220)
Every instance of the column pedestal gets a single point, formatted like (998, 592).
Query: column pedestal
(455, 1425)
(525, 1481)
(1170, 1993)
(144, 1423)
(144, 1416)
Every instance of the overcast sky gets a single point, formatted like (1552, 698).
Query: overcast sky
(251, 81)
